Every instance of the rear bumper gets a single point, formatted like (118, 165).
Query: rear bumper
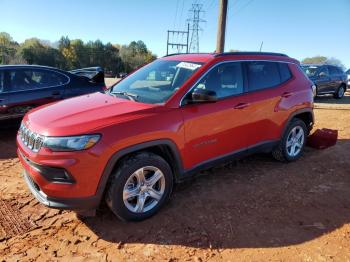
(78, 204)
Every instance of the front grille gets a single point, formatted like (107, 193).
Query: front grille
(30, 139)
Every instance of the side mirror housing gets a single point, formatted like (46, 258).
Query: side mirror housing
(203, 96)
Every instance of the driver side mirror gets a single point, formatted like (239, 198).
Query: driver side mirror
(203, 96)
(322, 74)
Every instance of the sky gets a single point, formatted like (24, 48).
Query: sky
(299, 28)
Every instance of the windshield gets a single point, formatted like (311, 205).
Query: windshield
(310, 70)
(156, 82)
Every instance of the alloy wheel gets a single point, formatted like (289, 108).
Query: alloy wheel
(295, 141)
(144, 189)
(341, 91)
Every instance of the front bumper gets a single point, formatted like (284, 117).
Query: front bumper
(79, 192)
(78, 204)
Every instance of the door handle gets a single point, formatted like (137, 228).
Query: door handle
(286, 94)
(241, 105)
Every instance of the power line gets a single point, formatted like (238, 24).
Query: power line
(243, 7)
(177, 6)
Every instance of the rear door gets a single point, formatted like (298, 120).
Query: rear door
(335, 78)
(324, 83)
(267, 86)
(33, 87)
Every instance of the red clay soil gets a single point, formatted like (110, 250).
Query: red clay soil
(252, 209)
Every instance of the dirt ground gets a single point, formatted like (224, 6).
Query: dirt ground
(249, 210)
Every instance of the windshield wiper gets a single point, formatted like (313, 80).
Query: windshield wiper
(131, 96)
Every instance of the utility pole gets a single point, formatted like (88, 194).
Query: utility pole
(195, 20)
(179, 45)
(220, 40)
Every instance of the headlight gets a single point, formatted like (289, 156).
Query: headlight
(71, 143)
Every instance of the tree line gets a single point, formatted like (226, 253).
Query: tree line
(70, 54)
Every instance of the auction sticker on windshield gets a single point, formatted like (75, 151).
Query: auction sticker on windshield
(187, 65)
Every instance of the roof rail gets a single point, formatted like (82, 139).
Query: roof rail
(250, 53)
(189, 54)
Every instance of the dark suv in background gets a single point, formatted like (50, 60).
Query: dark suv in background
(328, 79)
(23, 87)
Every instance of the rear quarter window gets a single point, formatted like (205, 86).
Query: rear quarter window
(284, 72)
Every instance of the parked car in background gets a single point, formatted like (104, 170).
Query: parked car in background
(328, 79)
(161, 125)
(23, 87)
(348, 74)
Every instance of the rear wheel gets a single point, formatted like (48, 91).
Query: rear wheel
(139, 187)
(340, 92)
(292, 143)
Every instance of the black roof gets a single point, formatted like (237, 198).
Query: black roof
(36, 66)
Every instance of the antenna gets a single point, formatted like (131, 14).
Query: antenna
(261, 45)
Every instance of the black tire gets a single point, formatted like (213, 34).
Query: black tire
(114, 194)
(340, 92)
(280, 152)
(316, 92)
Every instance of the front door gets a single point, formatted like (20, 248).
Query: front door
(213, 130)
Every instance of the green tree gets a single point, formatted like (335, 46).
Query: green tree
(8, 50)
(34, 52)
(314, 60)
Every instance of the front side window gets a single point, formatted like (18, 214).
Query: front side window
(156, 82)
(225, 80)
(262, 75)
(323, 71)
(24, 79)
(310, 70)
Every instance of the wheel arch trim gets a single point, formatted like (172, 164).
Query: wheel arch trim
(296, 113)
(135, 148)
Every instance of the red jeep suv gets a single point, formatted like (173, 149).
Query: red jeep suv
(161, 125)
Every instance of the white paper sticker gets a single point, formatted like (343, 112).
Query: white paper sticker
(187, 65)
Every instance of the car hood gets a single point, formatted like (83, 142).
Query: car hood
(84, 114)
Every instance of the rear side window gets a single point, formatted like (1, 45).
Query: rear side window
(332, 70)
(262, 75)
(25, 79)
(2, 80)
(284, 72)
(340, 71)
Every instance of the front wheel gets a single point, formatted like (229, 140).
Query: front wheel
(292, 143)
(340, 92)
(139, 187)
